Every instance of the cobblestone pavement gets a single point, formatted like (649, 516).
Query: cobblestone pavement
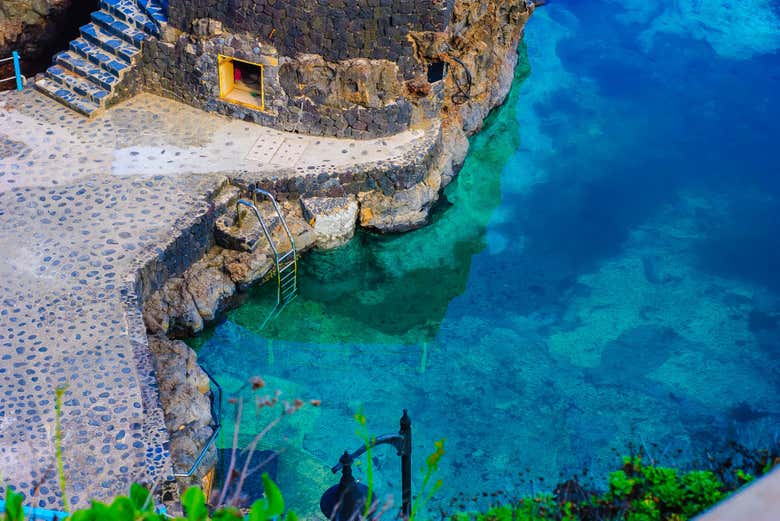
(82, 203)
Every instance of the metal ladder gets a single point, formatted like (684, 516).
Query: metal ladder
(285, 263)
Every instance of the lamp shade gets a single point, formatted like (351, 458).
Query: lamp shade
(340, 505)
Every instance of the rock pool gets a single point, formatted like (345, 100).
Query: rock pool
(603, 272)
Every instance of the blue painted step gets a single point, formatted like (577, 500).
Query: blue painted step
(85, 75)
(99, 37)
(155, 10)
(77, 84)
(119, 28)
(66, 96)
(83, 67)
(129, 12)
(103, 59)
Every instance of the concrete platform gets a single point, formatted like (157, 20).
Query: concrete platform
(758, 502)
(84, 206)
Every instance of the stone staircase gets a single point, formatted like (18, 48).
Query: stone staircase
(85, 76)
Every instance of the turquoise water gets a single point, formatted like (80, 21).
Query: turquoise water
(603, 272)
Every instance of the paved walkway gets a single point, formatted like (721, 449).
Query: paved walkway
(81, 203)
(758, 502)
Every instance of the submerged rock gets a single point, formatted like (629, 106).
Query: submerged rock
(332, 218)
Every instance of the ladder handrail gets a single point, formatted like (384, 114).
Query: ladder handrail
(270, 196)
(282, 290)
(253, 207)
(216, 418)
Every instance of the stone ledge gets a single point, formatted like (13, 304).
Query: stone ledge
(333, 219)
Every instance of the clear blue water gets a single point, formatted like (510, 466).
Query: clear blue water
(604, 271)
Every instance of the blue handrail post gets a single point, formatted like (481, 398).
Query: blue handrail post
(17, 70)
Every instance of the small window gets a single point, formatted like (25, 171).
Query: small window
(436, 71)
(241, 82)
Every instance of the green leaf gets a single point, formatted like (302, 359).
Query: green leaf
(101, 512)
(13, 506)
(269, 507)
(273, 495)
(122, 509)
(194, 503)
(291, 516)
(140, 498)
(258, 511)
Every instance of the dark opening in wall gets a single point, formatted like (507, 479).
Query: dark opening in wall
(38, 45)
(436, 71)
(241, 82)
(77, 15)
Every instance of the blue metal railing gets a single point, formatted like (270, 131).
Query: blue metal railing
(216, 416)
(42, 514)
(17, 70)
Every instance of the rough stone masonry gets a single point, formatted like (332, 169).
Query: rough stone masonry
(358, 69)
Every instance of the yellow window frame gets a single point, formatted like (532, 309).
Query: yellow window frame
(227, 81)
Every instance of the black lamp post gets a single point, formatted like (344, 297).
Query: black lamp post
(341, 502)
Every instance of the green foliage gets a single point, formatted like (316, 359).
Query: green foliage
(13, 506)
(269, 507)
(661, 493)
(538, 509)
(59, 393)
(123, 508)
(138, 506)
(428, 489)
(620, 485)
(141, 498)
(746, 477)
(635, 492)
(194, 503)
(367, 440)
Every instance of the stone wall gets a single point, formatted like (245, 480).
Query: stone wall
(345, 68)
(349, 68)
(358, 98)
(335, 29)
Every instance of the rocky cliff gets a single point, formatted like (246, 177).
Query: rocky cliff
(37, 29)
(480, 50)
(32, 26)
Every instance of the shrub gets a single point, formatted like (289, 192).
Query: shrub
(635, 492)
(138, 506)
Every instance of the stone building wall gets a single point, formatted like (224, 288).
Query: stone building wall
(334, 29)
(357, 98)
(344, 68)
